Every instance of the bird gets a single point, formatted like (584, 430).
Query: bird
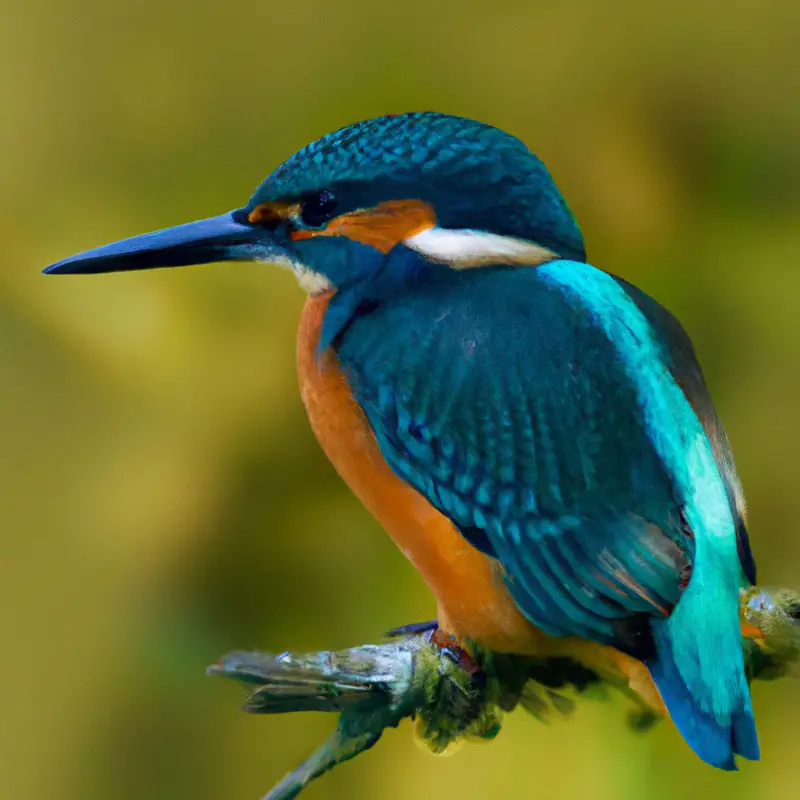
(534, 432)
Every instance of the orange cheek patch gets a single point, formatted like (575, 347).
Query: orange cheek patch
(271, 213)
(381, 227)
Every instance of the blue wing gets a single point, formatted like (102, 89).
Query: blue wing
(682, 362)
(559, 418)
(512, 413)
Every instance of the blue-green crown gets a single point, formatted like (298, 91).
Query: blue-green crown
(475, 176)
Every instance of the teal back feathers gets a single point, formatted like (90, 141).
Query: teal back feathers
(539, 409)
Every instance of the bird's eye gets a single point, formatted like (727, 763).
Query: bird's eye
(318, 209)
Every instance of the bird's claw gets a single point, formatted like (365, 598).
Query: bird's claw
(460, 656)
(462, 706)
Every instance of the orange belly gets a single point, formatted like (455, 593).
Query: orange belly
(473, 601)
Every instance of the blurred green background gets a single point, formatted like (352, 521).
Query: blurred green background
(163, 498)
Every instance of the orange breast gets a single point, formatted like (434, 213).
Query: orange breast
(473, 601)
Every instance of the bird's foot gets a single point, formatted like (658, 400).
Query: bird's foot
(460, 656)
(460, 704)
(446, 642)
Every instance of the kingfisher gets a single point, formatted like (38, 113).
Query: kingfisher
(534, 433)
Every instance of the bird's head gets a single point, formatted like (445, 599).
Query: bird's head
(447, 190)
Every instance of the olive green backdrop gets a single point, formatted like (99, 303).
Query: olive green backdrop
(162, 497)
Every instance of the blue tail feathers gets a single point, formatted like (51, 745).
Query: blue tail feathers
(715, 738)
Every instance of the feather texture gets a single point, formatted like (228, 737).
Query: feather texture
(543, 413)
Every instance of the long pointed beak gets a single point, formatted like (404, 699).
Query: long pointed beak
(222, 238)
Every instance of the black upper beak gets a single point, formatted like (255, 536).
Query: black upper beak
(224, 238)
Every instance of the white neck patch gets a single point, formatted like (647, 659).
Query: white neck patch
(466, 248)
(310, 282)
(459, 249)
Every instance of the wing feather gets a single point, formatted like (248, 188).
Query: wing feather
(512, 414)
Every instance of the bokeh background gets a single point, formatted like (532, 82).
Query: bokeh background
(162, 497)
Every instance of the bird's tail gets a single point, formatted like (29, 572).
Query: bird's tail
(698, 665)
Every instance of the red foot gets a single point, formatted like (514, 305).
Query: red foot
(446, 642)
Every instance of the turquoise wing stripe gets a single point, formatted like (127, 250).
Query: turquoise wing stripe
(703, 630)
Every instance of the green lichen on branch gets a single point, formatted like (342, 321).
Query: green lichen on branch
(453, 694)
